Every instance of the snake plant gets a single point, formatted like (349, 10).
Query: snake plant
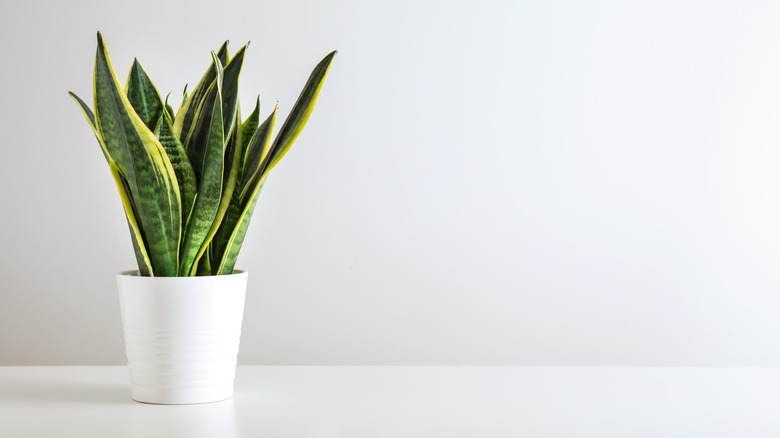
(189, 179)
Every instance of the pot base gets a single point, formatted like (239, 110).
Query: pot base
(182, 396)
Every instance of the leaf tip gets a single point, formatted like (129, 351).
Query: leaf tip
(328, 59)
(100, 42)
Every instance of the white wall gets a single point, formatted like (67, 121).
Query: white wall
(516, 182)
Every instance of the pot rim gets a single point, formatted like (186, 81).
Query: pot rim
(135, 273)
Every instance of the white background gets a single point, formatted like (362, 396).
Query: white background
(486, 183)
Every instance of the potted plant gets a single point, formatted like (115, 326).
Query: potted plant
(188, 181)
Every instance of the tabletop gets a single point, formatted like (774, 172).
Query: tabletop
(398, 401)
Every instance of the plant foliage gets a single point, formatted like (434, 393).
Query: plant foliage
(189, 180)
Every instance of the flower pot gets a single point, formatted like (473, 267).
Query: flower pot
(181, 335)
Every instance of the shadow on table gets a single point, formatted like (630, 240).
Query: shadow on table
(66, 392)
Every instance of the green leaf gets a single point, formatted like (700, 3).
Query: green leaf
(169, 110)
(141, 255)
(92, 123)
(242, 203)
(143, 95)
(184, 96)
(233, 152)
(190, 109)
(249, 127)
(204, 265)
(141, 159)
(201, 131)
(230, 194)
(204, 210)
(185, 176)
(87, 113)
(257, 153)
(229, 93)
(230, 90)
(222, 53)
(260, 159)
(233, 163)
(228, 262)
(300, 113)
(233, 157)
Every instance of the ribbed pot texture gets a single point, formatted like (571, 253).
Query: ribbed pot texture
(181, 335)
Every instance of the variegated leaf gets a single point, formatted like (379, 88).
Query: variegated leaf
(185, 176)
(141, 255)
(141, 159)
(143, 95)
(190, 109)
(241, 205)
(204, 210)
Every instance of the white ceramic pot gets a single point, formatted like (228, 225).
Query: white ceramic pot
(181, 335)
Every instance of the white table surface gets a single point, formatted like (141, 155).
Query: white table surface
(365, 402)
